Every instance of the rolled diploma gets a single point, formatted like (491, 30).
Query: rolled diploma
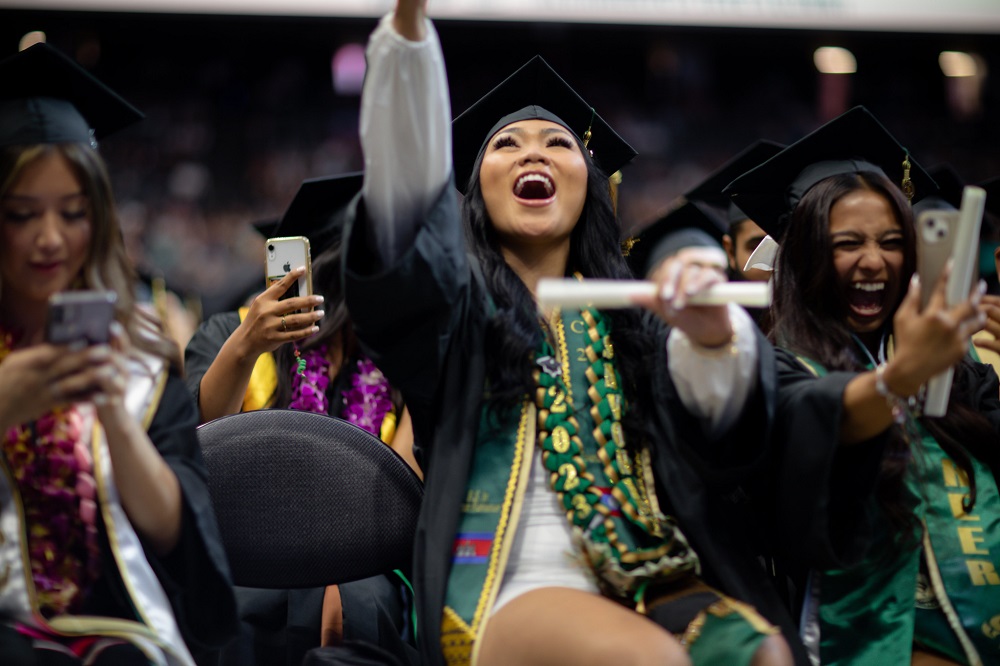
(570, 292)
(959, 283)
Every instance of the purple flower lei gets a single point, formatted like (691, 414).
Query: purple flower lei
(309, 381)
(369, 399)
(366, 402)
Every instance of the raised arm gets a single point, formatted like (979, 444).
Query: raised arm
(405, 126)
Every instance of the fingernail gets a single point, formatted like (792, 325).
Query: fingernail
(300, 268)
(320, 314)
(100, 353)
(314, 329)
(982, 287)
(318, 298)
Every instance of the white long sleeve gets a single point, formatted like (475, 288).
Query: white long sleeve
(711, 385)
(405, 133)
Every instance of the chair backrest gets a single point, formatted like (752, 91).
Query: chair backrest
(305, 500)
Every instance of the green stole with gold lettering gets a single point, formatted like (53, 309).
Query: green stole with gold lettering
(505, 444)
(943, 592)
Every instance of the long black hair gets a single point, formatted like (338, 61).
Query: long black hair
(514, 333)
(809, 317)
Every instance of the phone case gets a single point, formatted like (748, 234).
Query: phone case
(935, 243)
(284, 254)
(80, 315)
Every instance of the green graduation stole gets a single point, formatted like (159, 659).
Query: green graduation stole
(607, 492)
(943, 593)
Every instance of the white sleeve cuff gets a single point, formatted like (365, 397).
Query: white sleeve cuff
(714, 384)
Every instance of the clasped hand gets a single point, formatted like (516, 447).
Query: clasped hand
(691, 271)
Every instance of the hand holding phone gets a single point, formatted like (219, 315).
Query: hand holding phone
(935, 245)
(80, 316)
(281, 256)
(965, 224)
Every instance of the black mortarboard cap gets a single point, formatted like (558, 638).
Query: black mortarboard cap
(949, 193)
(854, 142)
(535, 91)
(45, 97)
(266, 227)
(685, 225)
(710, 190)
(319, 209)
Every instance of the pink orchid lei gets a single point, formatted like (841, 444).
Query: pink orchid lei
(366, 402)
(53, 472)
(369, 399)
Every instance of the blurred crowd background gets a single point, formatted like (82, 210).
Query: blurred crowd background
(241, 109)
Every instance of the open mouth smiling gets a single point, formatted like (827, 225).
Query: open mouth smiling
(534, 188)
(867, 299)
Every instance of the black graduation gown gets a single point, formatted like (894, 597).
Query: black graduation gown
(422, 320)
(281, 626)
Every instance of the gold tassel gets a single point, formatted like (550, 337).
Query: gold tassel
(907, 184)
(613, 183)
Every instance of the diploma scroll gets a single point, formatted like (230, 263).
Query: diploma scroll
(570, 292)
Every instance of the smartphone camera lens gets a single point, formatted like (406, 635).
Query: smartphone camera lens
(270, 248)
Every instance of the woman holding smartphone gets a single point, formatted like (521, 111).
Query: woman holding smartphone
(109, 547)
(856, 350)
(299, 352)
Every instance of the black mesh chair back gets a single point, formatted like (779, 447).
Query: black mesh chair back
(305, 500)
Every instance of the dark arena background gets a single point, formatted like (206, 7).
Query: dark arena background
(241, 108)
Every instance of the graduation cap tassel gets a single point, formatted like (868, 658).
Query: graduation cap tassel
(587, 133)
(613, 183)
(907, 184)
(628, 244)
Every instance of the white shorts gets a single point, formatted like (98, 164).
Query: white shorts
(542, 552)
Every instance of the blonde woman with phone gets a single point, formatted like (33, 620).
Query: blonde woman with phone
(108, 543)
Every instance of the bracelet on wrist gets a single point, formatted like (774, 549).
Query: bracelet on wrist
(728, 348)
(900, 406)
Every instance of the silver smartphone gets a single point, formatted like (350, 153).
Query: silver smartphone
(935, 245)
(284, 254)
(80, 316)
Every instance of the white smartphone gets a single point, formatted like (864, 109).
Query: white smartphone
(281, 256)
(76, 316)
(961, 239)
(936, 233)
